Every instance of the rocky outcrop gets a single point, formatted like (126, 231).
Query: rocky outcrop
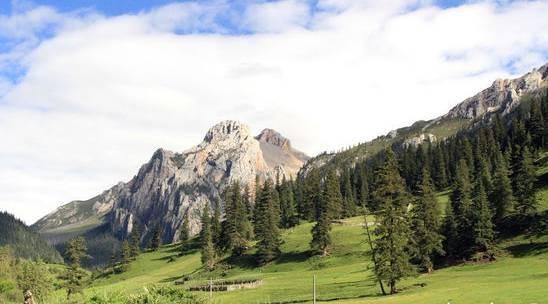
(503, 95)
(420, 139)
(171, 185)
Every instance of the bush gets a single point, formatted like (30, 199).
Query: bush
(151, 295)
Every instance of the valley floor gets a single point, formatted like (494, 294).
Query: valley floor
(519, 276)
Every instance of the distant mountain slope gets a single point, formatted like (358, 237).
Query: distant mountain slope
(501, 97)
(173, 184)
(25, 241)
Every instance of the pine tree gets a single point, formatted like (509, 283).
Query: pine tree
(74, 278)
(439, 170)
(331, 199)
(348, 202)
(502, 197)
(312, 195)
(524, 183)
(206, 241)
(125, 256)
(237, 226)
(216, 227)
(462, 206)
(426, 224)
(481, 221)
(450, 232)
(321, 234)
(184, 233)
(156, 240)
(266, 226)
(393, 232)
(135, 240)
(536, 124)
(289, 216)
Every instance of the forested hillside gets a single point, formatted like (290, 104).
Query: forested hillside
(25, 242)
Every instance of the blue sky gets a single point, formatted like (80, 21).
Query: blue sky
(118, 7)
(90, 89)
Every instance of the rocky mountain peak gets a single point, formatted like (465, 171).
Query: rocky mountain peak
(273, 137)
(228, 130)
(503, 95)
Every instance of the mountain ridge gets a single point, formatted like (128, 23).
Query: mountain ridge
(171, 184)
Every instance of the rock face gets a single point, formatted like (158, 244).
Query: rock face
(503, 95)
(172, 184)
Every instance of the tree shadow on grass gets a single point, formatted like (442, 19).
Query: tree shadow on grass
(293, 257)
(530, 249)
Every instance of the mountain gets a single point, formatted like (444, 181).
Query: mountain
(25, 242)
(503, 96)
(172, 184)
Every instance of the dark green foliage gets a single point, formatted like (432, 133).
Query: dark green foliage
(331, 201)
(393, 231)
(25, 242)
(426, 224)
(461, 201)
(237, 228)
(18, 275)
(524, 182)
(125, 256)
(482, 224)
(266, 225)
(289, 216)
(135, 240)
(216, 227)
(312, 195)
(348, 195)
(321, 234)
(502, 197)
(184, 233)
(75, 279)
(156, 240)
(536, 124)
(206, 241)
(450, 233)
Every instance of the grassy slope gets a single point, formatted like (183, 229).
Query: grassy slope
(519, 276)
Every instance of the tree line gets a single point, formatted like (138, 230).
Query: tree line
(488, 170)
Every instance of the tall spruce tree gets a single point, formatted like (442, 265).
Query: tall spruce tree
(237, 225)
(267, 233)
(331, 199)
(348, 203)
(536, 124)
(156, 240)
(312, 190)
(393, 231)
(450, 233)
(206, 241)
(74, 279)
(216, 227)
(462, 206)
(135, 240)
(289, 216)
(184, 233)
(482, 224)
(426, 218)
(502, 197)
(524, 183)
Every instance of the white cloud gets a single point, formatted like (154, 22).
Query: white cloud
(101, 95)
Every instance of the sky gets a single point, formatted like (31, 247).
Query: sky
(90, 89)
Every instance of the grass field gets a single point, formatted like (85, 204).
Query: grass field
(519, 276)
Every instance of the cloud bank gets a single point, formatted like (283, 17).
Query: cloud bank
(85, 98)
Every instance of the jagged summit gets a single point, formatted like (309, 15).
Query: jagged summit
(273, 137)
(503, 94)
(227, 130)
(173, 184)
